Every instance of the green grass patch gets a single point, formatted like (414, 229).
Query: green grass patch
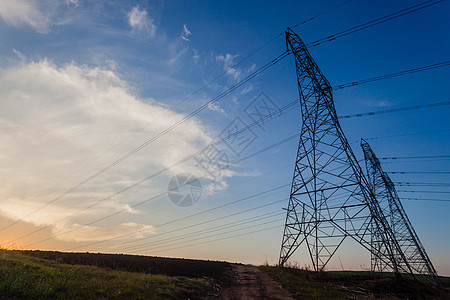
(304, 284)
(26, 277)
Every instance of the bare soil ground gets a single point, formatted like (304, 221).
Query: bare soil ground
(249, 283)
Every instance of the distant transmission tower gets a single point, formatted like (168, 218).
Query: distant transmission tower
(386, 194)
(330, 200)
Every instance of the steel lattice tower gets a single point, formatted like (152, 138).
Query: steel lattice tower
(329, 199)
(390, 203)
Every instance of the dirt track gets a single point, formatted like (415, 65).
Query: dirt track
(248, 282)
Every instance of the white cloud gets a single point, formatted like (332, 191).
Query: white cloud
(140, 21)
(39, 14)
(24, 12)
(61, 124)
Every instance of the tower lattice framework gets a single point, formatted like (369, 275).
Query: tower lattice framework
(329, 199)
(386, 194)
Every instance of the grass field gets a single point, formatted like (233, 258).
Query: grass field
(60, 275)
(27, 277)
(304, 284)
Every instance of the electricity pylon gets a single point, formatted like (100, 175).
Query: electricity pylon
(386, 194)
(329, 200)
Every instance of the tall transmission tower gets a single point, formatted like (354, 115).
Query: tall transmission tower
(386, 194)
(330, 200)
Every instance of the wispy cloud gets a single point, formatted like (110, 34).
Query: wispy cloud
(196, 55)
(141, 22)
(216, 108)
(95, 233)
(384, 103)
(41, 15)
(228, 61)
(178, 48)
(75, 2)
(378, 103)
(19, 54)
(186, 33)
(247, 89)
(178, 51)
(24, 12)
(236, 74)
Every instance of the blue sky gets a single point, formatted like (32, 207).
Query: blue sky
(83, 83)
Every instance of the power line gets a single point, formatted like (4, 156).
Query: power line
(416, 161)
(426, 199)
(411, 191)
(211, 229)
(223, 238)
(252, 178)
(374, 22)
(322, 13)
(261, 47)
(197, 224)
(214, 235)
(400, 135)
(385, 111)
(405, 134)
(215, 230)
(414, 157)
(329, 38)
(152, 243)
(435, 184)
(396, 74)
(419, 172)
(183, 218)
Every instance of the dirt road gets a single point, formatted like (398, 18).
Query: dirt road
(249, 283)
